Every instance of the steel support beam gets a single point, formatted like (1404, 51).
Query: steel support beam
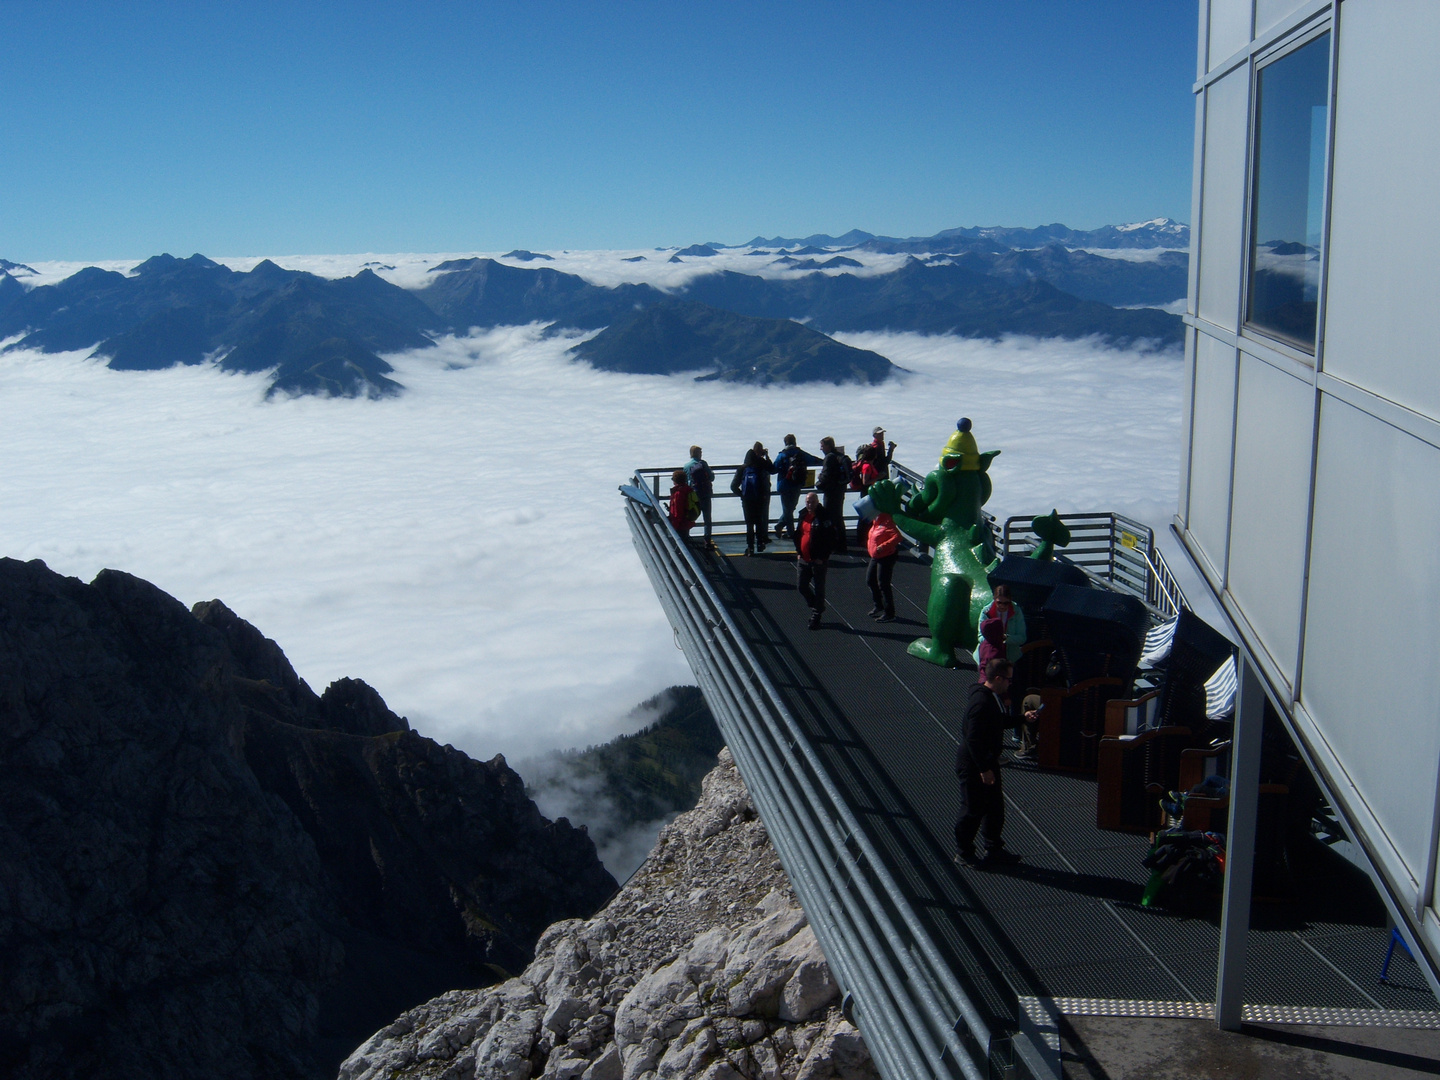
(1240, 843)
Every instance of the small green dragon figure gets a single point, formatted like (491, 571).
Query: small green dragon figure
(946, 516)
(1052, 532)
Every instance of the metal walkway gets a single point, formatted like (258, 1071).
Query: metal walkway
(1064, 924)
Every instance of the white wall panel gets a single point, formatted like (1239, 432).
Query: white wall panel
(1381, 328)
(1229, 28)
(1371, 679)
(1222, 199)
(1270, 12)
(1274, 423)
(1212, 426)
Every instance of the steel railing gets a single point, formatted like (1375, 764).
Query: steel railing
(1115, 550)
(655, 480)
(917, 1019)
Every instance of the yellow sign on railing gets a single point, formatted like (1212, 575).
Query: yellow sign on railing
(1129, 540)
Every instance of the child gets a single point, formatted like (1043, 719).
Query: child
(1012, 622)
(684, 503)
(992, 641)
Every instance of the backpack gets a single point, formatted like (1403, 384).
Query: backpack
(699, 476)
(692, 507)
(794, 471)
(750, 486)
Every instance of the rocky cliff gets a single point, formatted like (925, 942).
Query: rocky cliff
(206, 869)
(701, 968)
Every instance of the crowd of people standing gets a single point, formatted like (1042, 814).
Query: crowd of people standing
(818, 529)
(818, 533)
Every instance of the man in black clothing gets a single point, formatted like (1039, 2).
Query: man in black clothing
(814, 540)
(832, 483)
(977, 767)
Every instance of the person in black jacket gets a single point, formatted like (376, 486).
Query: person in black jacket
(814, 540)
(977, 767)
(752, 484)
(832, 483)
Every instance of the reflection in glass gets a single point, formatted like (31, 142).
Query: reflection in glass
(1292, 98)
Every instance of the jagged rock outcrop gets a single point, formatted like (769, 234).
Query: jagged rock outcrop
(208, 870)
(702, 968)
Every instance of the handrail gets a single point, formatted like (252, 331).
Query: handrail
(1116, 551)
(656, 476)
(917, 1019)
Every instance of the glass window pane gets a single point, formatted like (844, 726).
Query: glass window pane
(1292, 99)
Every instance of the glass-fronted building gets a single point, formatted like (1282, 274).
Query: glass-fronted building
(1310, 493)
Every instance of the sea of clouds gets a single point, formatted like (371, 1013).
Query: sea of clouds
(463, 547)
(650, 266)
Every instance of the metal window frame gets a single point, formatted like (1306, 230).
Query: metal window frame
(1284, 45)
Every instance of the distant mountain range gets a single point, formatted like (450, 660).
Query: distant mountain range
(933, 298)
(1156, 233)
(317, 335)
(327, 336)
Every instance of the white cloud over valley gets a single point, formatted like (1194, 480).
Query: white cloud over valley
(463, 547)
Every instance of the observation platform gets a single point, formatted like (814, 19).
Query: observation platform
(858, 765)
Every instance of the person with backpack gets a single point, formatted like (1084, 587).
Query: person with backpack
(791, 465)
(883, 544)
(752, 484)
(684, 504)
(832, 483)
(864, 473)
(702, 479)
(814, 540)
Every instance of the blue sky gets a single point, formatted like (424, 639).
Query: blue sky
(294, 128)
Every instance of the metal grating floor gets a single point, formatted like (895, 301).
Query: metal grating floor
(1066, 923)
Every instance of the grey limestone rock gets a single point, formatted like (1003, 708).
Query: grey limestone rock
(703, 967)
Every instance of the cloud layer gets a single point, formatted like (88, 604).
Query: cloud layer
(463, 548)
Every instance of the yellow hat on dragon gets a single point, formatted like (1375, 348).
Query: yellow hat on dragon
(962, 445)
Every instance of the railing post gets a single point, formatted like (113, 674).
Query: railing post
(1248, 736)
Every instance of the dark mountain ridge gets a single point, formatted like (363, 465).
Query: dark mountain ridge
(933, 299)
(1116, 282)
(319, 335)
(209, 870)
(675, 336)
(623, 790)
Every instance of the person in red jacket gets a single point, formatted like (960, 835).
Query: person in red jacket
(684, 503)
(883, 543)
(814, 541)
(883, 454)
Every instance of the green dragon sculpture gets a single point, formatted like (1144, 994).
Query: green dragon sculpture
(946, 516)
(1052, 532)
